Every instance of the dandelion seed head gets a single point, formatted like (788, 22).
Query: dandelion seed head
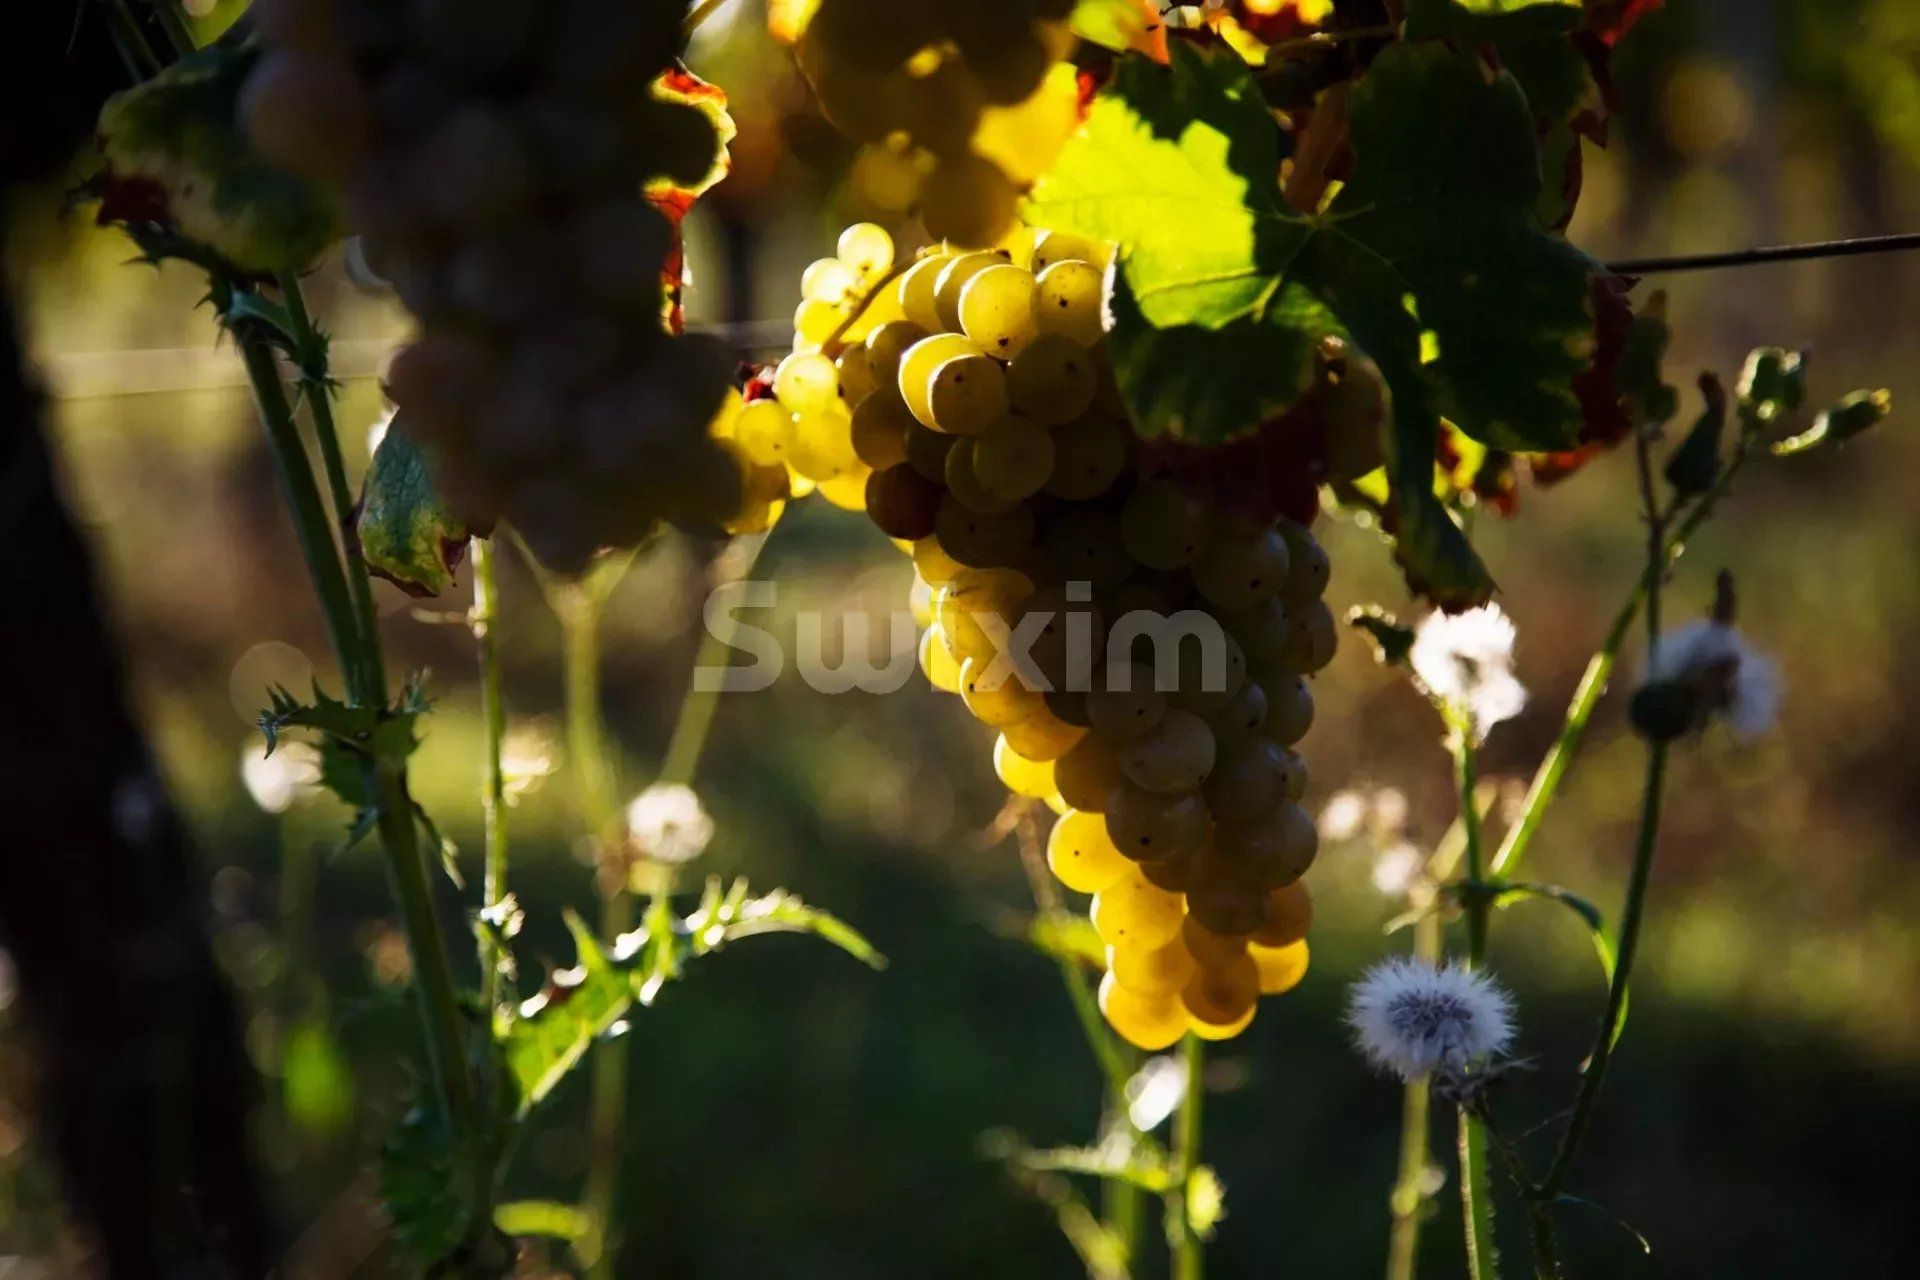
(668, 823)
(1729, 678)
(1413, 1019)
(1465, 660)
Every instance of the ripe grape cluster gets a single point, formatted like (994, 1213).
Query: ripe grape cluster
(1141, 654)
(495, 157)
(913, 77)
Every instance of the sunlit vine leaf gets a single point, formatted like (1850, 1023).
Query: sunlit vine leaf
(175, 158)
(1432, 259)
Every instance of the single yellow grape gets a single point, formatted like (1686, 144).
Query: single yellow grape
(806, 380)
(1080, 855)
(1030, 778)
(1067, 301)
(1219, 996)
(764, 430)
(867, 249)
(1160, 972)
(1281, 968)
(1132, 912)
(942, 672)
(1142, 1021)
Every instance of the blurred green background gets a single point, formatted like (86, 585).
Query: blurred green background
(794, 1115)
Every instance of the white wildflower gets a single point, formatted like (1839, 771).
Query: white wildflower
(1719, 675)
(668, 824)
(279, 781)
(1413, 1019)
(1465, 660)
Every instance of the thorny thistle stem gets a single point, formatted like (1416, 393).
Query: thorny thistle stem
(1188, 1251)
(493, 788)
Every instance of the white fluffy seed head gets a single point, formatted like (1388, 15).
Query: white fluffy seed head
(1731, 680)
(1413, 1019)
(667, 823)
(1465, 660)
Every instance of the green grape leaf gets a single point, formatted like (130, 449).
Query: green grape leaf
(1532, 38)
(1432, 259)
(405, 531)
(175, 157)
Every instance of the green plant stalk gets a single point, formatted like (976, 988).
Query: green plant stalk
(399, 836)
(432, 979)
(1476, 1186)
(579, 609)
(1635, 909)
(493, 786)
(310, 524)
(310, 355)
(1120, 1201)
(1408, 1201)
(1553, 768)
(1183, 1240)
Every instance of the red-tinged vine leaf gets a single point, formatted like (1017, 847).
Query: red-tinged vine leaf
(403, 529)
(1611, 19)
(175, 159)
(675, 199)
(1431, 259)
(1623, 383)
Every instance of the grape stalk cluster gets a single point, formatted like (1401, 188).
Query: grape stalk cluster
(495, 156)
(1140, 651)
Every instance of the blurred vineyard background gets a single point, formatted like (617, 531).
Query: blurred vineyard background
(796, 1116)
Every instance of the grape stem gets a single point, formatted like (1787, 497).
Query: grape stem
(831, 346)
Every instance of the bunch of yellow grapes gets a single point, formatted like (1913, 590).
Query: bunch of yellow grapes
(1140, 653)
